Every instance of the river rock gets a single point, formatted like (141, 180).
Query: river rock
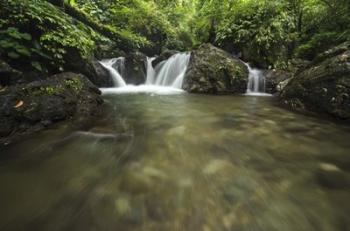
(163, 56)
(101, 76)
(323, 88)
(89, 67)
(135, 68)
(26, 108)
(276, 80)
(330, 176)
(8, 75)
(212, 70)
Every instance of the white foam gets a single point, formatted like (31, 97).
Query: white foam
(148, 89)
(257, 94)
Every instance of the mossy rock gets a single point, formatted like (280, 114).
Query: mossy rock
(323, 88)
(212, 70)
(25, 108)
(135, 68)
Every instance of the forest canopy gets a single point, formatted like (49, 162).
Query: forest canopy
(270, 33)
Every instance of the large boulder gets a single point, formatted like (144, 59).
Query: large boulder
(323, 88)
(135, 68)
(89, 67)
(26, 108)
(212, 70)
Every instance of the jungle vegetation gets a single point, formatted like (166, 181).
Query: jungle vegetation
(44, 35)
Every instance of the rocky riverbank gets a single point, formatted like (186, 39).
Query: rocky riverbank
(27, 108)
(323, 88)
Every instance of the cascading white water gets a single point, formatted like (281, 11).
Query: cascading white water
(256, 81)
(171, 72)
(151, 74)
(166, 78)
(115, 66)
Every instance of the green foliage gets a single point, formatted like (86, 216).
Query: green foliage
(318, 43)
(269, 31)
(146, 23)
(265, 29)
(43, 33)
(74, 84)
(12, 42)
(45, 36)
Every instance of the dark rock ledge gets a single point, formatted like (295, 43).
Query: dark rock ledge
(27, 108)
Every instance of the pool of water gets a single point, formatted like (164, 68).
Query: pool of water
(181, 162)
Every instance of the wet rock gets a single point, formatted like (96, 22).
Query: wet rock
(141, 180)
(130, 212)
(215, 71)
(177, 131)
(89, 67)
(340, 160)
(276, 80)
(101, 78)
(74, 62)
(122, 206)
(8, 75)
(135, 68)
(26, 108)
(282, 85)
(337, 50)
(330, 176)
(217, 166)
(323, 88)
(107, 50)
(163, 56)
(298, 65)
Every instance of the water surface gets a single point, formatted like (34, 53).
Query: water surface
(181, 162)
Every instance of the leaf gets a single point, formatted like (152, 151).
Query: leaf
(26, 36)
(2, 89)
(13, 55)
(19, 104)
(23, 51)
(37, 66)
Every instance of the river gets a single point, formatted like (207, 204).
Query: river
(180, 162)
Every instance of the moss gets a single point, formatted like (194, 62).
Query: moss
(74, 84)
(43, 90)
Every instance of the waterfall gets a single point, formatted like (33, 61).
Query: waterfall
(169, 73)
(116, 67)
(150, 71)
(256, 81)
(166, 78)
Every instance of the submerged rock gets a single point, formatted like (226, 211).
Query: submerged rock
(323, 87)
(330, 176)
(26, 108)
(212, 70)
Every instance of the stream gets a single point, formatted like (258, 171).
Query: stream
(180, 162)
